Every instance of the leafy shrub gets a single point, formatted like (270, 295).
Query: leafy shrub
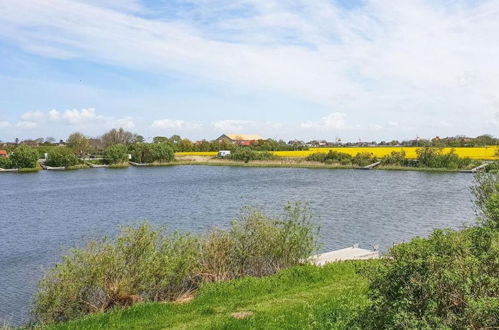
(61, 157)
(24, 157)
(256, 245)
(5, 162)
(152, 152)
(116, 154)
(141, 264)
(363, 159)
(246, 155)
(448, 280)
(330, 157)
(436, 158)
(395, 158)
(493, 167)
(317, 157)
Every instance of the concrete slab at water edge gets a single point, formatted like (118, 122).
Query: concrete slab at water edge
(351, 253)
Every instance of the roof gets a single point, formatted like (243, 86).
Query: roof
(3, 152)
(245, 137)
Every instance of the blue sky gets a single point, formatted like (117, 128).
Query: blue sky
(361, 69)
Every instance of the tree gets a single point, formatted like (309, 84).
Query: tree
(79, 143)
(61, 157)
(159, 139)
(24, 157)
(155, 152)
(116, 154)
(118, 136)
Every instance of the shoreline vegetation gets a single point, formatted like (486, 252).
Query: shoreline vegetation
(429, 160)
(119, 148)
(255, 274)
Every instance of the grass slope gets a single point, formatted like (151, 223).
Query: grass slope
(297, 298)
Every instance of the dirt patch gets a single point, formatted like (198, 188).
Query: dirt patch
(242, 315)
(185, 298)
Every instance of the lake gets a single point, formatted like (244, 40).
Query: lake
(42, 214)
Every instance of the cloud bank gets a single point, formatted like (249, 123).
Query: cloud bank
(415, 63)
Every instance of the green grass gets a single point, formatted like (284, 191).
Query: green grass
(77, 167)
(317, 165)
(28, 170)
(297, 298)
(120, 165)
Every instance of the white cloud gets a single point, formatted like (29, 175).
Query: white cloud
(174, 124)
(335, 120)
(72, 119)
(26, 124)
(426, 61)
(4, 123)
(241, 126)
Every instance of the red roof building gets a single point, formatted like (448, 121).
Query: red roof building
(3, 153)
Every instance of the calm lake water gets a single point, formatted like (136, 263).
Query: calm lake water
(43, 214)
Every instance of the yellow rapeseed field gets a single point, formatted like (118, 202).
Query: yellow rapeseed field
(482, 153)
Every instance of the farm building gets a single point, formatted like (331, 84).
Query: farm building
(241, 139)
(3, 153)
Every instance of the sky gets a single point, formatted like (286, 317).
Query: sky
(285, 69)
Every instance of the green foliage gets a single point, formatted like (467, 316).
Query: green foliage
(256, 245)
(61, 157)
(448, 280)
(246, 155)
(116, 154)
(395, 158)
(143, 264)
(140, 264)
(302, 297)
(331, 157)
(5, 162)
(152, 152)
(274, 145)
(363, 159)
(78, 143)
(24, 157)
(436, 158)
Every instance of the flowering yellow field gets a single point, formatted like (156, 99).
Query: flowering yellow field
(483, 153)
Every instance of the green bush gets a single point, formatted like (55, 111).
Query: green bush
(24, 157)
(363, 159)
(331, 157)
(152, 152)
(141, 264)
(256, 245)
(5, 162)
(448, 280)
(436, 158)
(395, 158)
(317, 157)
(61, 157)
(116, 154)
(246, 155)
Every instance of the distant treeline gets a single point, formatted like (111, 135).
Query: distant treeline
(179, 144)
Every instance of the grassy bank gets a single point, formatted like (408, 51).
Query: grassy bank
(297, 298)
(295, 163)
